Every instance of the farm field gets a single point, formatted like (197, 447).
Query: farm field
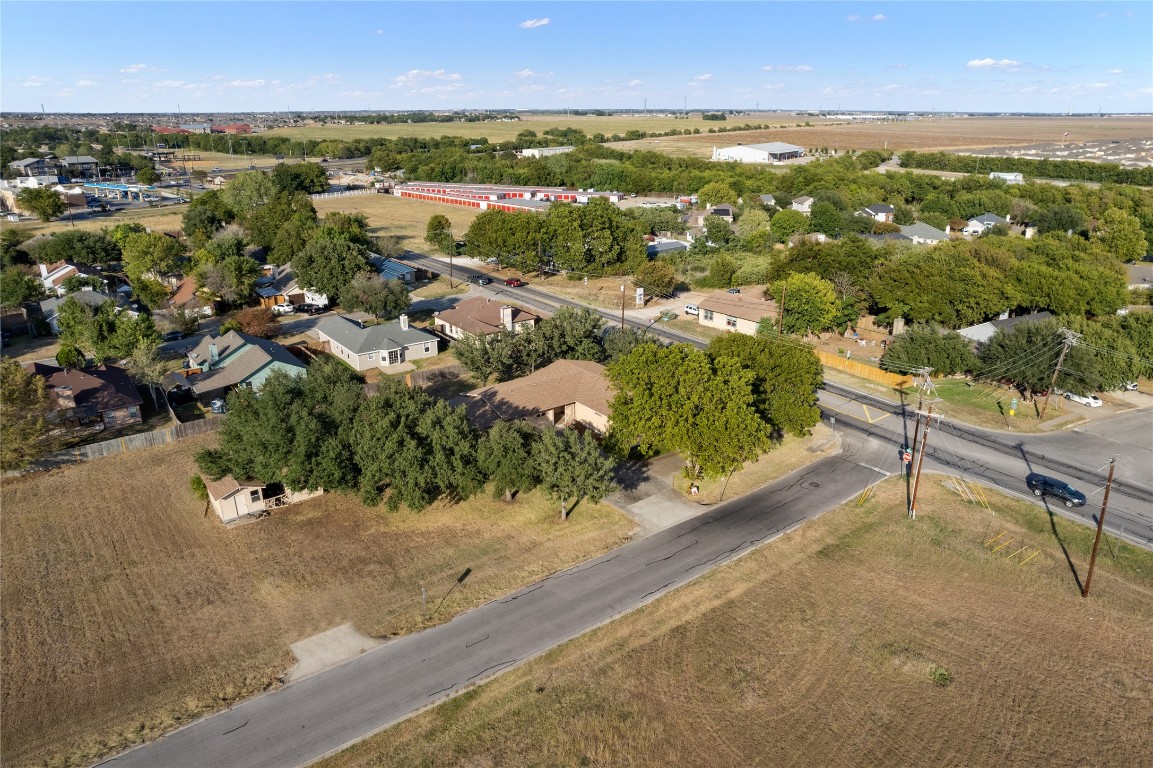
(860, 639)
(921, 135)
(128, 611)
(502, 131)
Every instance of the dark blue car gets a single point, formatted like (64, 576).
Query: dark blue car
(1043, 485)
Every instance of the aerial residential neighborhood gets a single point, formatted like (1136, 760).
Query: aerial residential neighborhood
(784, 401)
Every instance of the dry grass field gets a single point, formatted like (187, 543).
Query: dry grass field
(127, 611)
(501, 131)
(398, 216)
(922, 135)
(820, 650)
(159, 219)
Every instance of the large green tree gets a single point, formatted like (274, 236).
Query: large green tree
(571, 467)
(923, 345)
(1122, 235)
(717, 193)
(24, 406)
(505, 455)
(810, 303)
(787, 223)
(785, 383)
(1027, 356)
(42, 202)
(438, 232)
(78, 245)
(151, 255)
(369, 293)
(678, 398)
(18, 287)
(328, 266)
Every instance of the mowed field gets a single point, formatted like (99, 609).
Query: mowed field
(398, 216)
(502, 131)
(127, 611)
(819, 650)
(922, 135)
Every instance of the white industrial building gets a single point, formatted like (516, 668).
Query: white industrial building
(772, 152)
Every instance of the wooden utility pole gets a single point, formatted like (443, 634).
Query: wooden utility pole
(1100, 525)
(781, 312)
(1071, 338)
(920, 460)
(622, 306)
(451, 250)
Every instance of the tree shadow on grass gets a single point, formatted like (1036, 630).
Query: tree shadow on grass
(1053, 525)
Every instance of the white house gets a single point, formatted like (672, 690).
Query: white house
(377, 346)
(771, 152)
(544, 151)
(983, 223)
(1008, 178)
(877, 212)
(804, 204)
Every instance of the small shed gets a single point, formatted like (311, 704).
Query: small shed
(234, 500)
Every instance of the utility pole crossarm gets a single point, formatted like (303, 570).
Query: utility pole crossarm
(1071, 338)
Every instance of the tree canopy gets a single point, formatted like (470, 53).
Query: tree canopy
(24, 406)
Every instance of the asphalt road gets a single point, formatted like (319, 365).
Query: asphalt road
(324, 713)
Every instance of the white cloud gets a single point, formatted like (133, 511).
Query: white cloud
(1145, 91)
(634, 83)
(879, 17)
(132, 69)
(86, 83)
(773, 86)
(245, 83)
(1098, 86)
(900, 66)
(1116, 71)
(853, 17)
(378, 32)
(532, 88)
(35, 81)
(703, 78)
(1102, 15)
(533, 23)
(1006, 64)
(169, 84)
(438, 90)
(414, 76)
(891, 87)
(65, 92)
(528, 74)
(788, 68)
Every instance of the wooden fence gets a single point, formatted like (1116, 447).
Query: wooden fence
(865, 371)
(344, 193)
(129, 443)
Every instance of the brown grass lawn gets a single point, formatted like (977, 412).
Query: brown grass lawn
(499, 131)
(126, 611)
(923, 135)
(407, 219)
(818, 649)
(159, 219)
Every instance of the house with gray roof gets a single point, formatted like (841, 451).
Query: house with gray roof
(222, 363)
(983, 223)
(878, 212)
(376, 346)
(80, 165)
(982, 332)
(769, 201)
(922, 234)
(33, 166)
(50, 308)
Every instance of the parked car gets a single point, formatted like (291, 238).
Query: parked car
(284, 308)
(734, 290)
(1043, 485)
(309, 309)
(175, 335)
(692, 309)
(218, 406)
(514, 282)
(1129, 386)
(482, 280)
(1090, 400)
(217, 170)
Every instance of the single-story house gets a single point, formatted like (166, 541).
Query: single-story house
(659, 248)
(983, 223)
(187, 297)
(923, 234)
(878, 212)
(377, 346)
(234, 500)
(52, 276)
(768, 201)
(483, 317)
(221, 363)
(724, 211)
(769, 152)
(982, 332)
(1140, 275)
(1008, 178)
(278, 285)
(804, 204)
(103, 395)
(391, 269)
(886, 237)
(50, 308)
(729, 312)
(567, 393)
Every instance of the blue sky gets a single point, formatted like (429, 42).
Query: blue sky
(236, 56)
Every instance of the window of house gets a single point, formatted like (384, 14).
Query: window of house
(371, 355)
(133, 411)
(254, 496)
(708, 314)
(428, 346)
(730, 322)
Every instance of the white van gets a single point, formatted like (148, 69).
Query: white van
(692, 309)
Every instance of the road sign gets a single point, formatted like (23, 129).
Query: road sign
(906, 456)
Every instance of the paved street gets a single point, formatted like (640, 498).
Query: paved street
(323, 713)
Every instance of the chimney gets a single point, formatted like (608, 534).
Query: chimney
(64, 397)
(43, 270)
(506, 316)
(213, 354)
(948, 229)
(404, 322)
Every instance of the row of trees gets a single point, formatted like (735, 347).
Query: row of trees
(1112, 350)
(322, 431)
(1073, 170)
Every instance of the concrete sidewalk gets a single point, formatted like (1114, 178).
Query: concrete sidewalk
(647, 494)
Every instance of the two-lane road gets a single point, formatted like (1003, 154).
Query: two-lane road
(318, 715)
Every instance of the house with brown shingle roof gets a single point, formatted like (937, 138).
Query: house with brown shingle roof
(234, 500)
(567, 393)
(483, 317)
(103, 395)
(187, 297)
(739, 313)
